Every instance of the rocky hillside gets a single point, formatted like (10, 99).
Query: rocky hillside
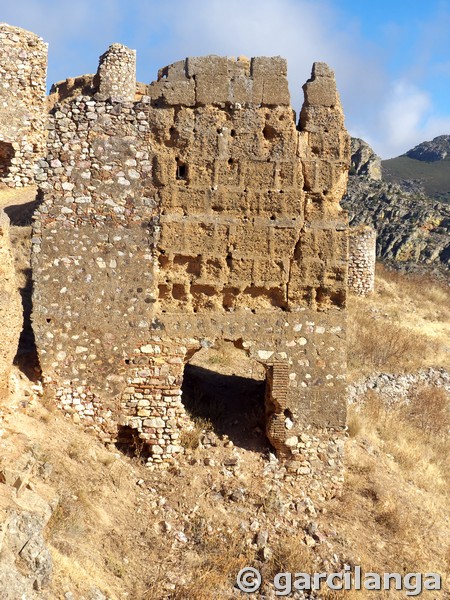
(413, 227)
(437, 149)
(428, 164)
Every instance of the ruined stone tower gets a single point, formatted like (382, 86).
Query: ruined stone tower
(23, 69)
(199, 213)
(362, 259)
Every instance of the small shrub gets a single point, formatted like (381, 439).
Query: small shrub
(429, 409)
(354, 425)
(190, 438)
(289, 554)
(377, 344)
(390, 520)
(68, 519)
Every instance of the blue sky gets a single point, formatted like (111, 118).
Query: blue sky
(391, 59)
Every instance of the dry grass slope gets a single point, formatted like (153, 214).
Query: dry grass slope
(403, 326)
(184, 534)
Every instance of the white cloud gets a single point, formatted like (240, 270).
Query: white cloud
(405, 119)
(72, 29)
(403, 115)
(301, 31)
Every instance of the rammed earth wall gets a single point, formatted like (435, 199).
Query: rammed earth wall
(199, 213)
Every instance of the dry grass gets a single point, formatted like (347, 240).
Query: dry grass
(420, 450)
(219, 557)
(114, 523)
(289, 555)
(403, 326)
(429, 410)
(378, 346)
(190, 438)
(395, 510)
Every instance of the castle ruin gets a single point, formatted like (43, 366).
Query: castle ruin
(187, 212)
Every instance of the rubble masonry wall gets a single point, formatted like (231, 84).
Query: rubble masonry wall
(362, 259)
(23, 72)
(10, 307)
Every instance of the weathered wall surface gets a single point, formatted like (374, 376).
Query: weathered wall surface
(10, 307)
(197, 214)
(23, 70)
(362, 259)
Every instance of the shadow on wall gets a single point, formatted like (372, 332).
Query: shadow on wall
(129, 443)
(234, 405)
(27, 357)
(21, 215)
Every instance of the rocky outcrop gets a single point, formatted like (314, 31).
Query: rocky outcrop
(25, 561)
(425, 168)
(411, 227)
(436, 149)
(364, 161)
(10, 307)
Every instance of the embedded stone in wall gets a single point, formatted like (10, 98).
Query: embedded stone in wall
(23, 68)
(10, 307)
(362, 259)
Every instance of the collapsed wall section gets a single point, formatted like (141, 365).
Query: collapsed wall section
(198, 214)
(23, 69)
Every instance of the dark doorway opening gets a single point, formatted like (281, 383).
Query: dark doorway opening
(226, 388)
(130, 444)
(6, 156)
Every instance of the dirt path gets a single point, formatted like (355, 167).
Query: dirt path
(19, 204)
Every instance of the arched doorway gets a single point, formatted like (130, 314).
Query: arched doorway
(227, 388)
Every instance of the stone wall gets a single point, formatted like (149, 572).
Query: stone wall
(199, 213)
(116, 75)
(362, 259)
(10, 307)
(23, 69)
